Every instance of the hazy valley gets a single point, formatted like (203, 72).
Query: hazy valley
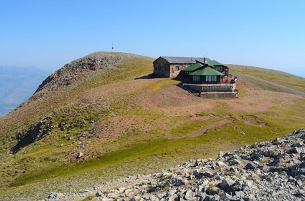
(17, 84)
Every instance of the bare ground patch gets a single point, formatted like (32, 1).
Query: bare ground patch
(211, 126)
(253, 120)
(204, 129)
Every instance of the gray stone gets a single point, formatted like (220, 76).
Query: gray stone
(234, 162)
(298, 144)
(255, 156)
(172, 197)
(189, 194)
(299, 183)
(245, 157)
(248, 183)
(213, 191)
(225, 184)
(220, 163)
(180, 182)
(53, 196)
(99, 194)
(171, 192)
(225, 196)
(208, 174)
(276, 141)
(250, 166)
(300, 150)
(197, 174)
(208, 198)
(239, 194)
(274, 163)
(215, 198)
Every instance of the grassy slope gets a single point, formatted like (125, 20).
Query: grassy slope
(140, 126)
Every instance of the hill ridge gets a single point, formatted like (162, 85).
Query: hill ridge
(74, 69)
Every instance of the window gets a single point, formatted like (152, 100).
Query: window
(177, 67)
(211, 78)
(196, 78)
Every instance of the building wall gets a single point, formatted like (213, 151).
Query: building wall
(164, 69)
(161, 68)
(176, 68)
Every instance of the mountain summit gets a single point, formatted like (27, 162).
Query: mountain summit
(77, 70)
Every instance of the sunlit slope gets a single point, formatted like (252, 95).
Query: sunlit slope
(115, 121)
(268, 79)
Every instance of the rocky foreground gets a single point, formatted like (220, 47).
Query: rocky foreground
(273, 170)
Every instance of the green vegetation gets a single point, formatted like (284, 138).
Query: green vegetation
(124, 124)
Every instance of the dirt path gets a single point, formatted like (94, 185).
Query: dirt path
(211, 126)
(205, 129)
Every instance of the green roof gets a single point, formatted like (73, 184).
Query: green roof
(206, 71)
(214, 63)
(205, 64)
(193, 67)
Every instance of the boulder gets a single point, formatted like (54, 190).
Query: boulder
(250, 166)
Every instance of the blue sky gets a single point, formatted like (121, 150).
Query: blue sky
(49, 34)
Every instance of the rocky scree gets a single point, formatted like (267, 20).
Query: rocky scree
(272, 170)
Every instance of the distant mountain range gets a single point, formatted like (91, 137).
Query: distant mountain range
(17, 84)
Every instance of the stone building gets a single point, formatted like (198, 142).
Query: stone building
(171, 66)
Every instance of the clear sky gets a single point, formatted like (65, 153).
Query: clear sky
(51, 33)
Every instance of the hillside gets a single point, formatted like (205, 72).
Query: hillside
(101, 117)
(17, 84)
